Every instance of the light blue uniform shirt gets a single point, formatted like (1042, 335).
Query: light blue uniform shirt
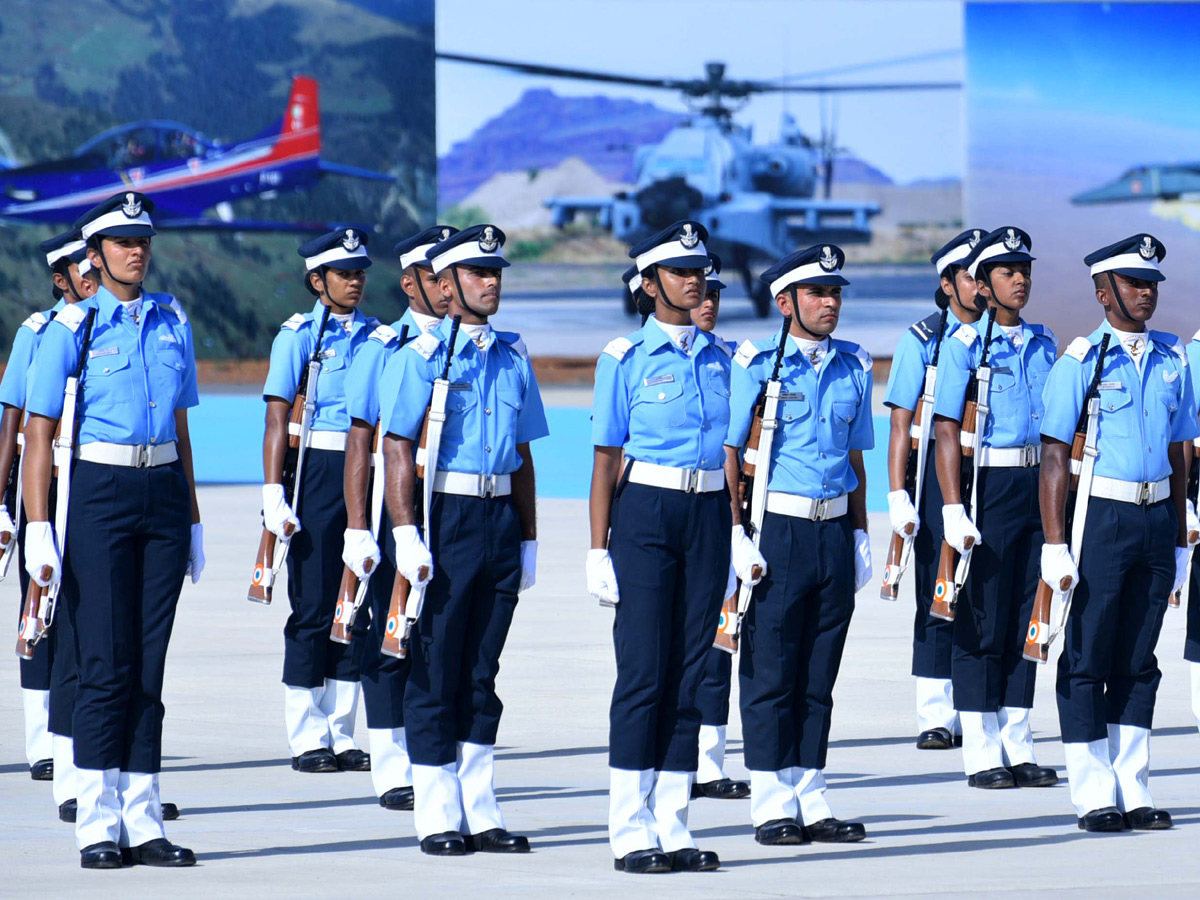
(365, 378)
(292, 351)
(1193, 355)
(1140, 414)
(662, 405)
(823, 415)
(135, 377)
(493, 405)
(915, 351)
(20, 358)
(1018, 378)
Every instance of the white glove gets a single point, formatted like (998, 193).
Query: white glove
(601, 578)
(528, 565)
(195, 563)
(412, 556)
(6, 525)
(1057, 564)
(862, 559)
(731, 585)
(358, 546)
(1193, 522)
(902, 513)
(1182, 556)
(40, 553)
(276, 512)
(958, 527)
(745, 556)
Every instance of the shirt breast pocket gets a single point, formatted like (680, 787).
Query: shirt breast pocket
(663, 405)
(843, 412)
(794, 408)
(106, 382)
(1116, 413)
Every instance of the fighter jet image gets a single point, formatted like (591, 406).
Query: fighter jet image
(1176, 181)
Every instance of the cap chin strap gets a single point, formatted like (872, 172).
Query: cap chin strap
(325, 289)
(462, 297)
(796, 320)
(1116, 293)
(424, 296)
(71, 284)
(662, 292)
(104, 262)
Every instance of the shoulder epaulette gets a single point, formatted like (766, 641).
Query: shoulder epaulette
(1045, 332)
(373, 322)
(926, 330)
(618, 347)
(1078, 348)
(864, 358)
(746, 352)
(384, 334)
(1196, 336)
(513, 340)
(426, 344)
(723, 345)
(966, 333)
(1170, 342)
(176, 307)
(72, 316)
(35, 322)
(295, 322)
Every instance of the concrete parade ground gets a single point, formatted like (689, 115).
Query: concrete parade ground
(261, 830)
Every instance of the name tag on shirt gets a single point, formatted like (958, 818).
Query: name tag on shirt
(107, 351)
(168, 338)
(329, 354)
(1111, 386)
(1001, 370)
(791, 395)
(459, 386)
(1168, 377)
(658, 379)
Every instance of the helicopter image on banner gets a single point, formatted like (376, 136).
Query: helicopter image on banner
(183, 171)
(758, 202)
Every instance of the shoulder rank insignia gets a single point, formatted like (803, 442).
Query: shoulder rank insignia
(514, 341)
(426, 344)
(926, 330)
(176, 307)
(384, 334)
(294, 322)
(966, 333)
(746, 352)
(1078, 348)
(35, 322)
(617, 348)
(72, 316)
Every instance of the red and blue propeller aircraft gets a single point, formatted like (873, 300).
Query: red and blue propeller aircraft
(185, 172)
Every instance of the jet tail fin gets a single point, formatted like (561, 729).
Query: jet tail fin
(301, 128)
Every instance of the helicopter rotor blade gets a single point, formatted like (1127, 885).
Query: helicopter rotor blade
(772, 88)
(563, 72)
(948, 53)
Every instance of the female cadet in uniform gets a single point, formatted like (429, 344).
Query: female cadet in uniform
(384, 677)
(993, 685)
(133, 526)
(67, 258)
(712, 697)
(933, 641)
(661, 400)
(1191, 646)
(320, 677)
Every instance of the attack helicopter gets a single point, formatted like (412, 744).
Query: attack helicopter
(758, 202)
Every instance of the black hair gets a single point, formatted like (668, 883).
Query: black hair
(645, 303)
(61, 267)
(941, 298)
(319, 270)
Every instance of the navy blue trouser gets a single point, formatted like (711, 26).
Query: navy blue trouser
(314, 573)
(713, 696)
(469, 604)
(1191, 645)
(933, 639)
(670, 552)
(1108, 673)
(992, 619)
(383, 677)
(128, 535)
(793, 636)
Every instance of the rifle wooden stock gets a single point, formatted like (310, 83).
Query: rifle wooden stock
(892, 570)
(944, 599)
(263, 580)
(33, 622)
(345, 612)
(1037, 636)
(970, 411)
(393, 631)
(727, 632)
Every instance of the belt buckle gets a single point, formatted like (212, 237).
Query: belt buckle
(1027, 456)
(143, 457)
(820, 509)
(1144, 493)
(487, 486)
(691, 481)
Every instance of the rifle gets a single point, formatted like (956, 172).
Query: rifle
(272, 553)
(752, 490)
(352, 593)
(1038, 636)
(952, 571)
(41, 603)
(12, 488)
(1193, 494)
(406, 602)
(900, 548)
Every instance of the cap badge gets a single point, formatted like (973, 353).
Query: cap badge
(132, 207)
(975, 238)
(690, 238)
(1012, 240)
(1146, 251)
(487, 241)
(828, 261)
(445, 234)
(350, 242)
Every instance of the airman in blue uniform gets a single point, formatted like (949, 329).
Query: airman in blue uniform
(47, 722)
(384, 677)
(659, 413)
(1134, 544)
(993, 684)
(1191, 647)
(65, 254)
(482, 541)
(713, 695)
(920, 347)
(320, 677)
(133, 526)
(813, 552)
